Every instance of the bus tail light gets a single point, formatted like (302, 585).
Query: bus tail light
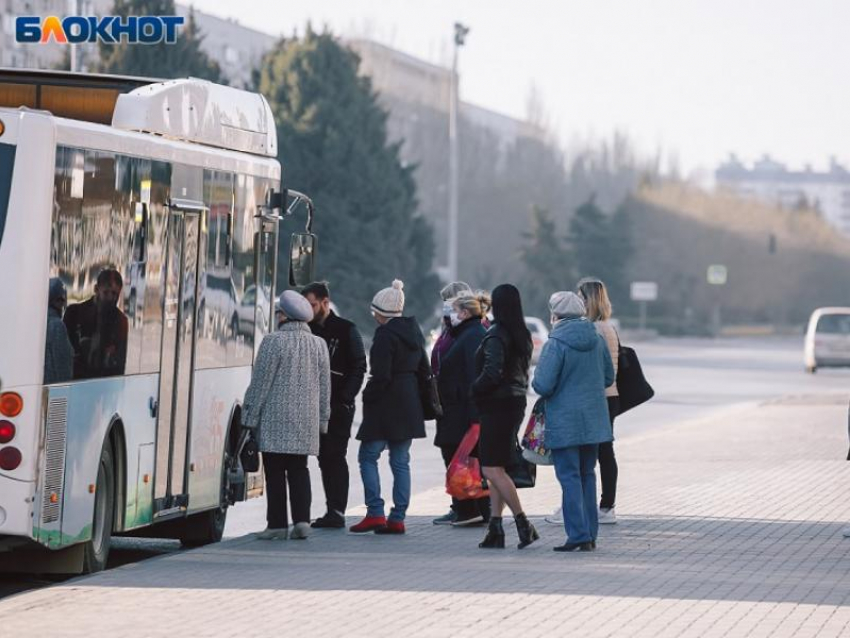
(10, 458)
(11, 404)
(7, 431)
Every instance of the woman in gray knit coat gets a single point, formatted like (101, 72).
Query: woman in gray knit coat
(289, 401)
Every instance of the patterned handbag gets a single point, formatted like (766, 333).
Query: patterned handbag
(533, 449)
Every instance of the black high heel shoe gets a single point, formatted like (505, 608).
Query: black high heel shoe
(526, 531)
(495, 538)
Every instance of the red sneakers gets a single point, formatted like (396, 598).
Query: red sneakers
(392, 527)
(370, 524)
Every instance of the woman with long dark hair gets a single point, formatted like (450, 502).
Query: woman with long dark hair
(502, 362)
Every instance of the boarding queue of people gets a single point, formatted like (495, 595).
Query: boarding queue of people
(301, 402)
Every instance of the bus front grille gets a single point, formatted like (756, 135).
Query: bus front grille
(54, 466)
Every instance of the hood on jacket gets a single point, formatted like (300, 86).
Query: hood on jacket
(578, 334)
(406, 329)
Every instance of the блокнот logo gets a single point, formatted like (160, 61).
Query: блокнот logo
(108, 29)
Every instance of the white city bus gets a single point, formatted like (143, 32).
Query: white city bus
(155, 207)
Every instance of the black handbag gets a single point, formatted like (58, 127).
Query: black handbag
(522, 473)
(632, 386)
(432, 408)
(250, 454)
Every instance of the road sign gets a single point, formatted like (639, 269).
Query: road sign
(716, 275)
(644, 291)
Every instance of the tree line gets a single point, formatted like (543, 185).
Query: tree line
(376, 213)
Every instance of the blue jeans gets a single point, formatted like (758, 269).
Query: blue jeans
(370, 452)
(575, 468)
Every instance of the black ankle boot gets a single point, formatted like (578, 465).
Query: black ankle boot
(526, 531)
(495, 538)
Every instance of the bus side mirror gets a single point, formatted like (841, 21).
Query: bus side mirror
(302, 259)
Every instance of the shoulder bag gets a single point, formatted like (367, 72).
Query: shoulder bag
(632, 385)
(428, 393)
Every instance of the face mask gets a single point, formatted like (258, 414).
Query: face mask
(453, 317)
(447, 310)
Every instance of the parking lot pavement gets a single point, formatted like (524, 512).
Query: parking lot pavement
(729, 526)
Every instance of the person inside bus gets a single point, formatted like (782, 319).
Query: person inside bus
(289, 402)
(58, 352)
(98, 330)
(348, 369)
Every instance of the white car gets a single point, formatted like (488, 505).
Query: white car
(539, 336)
(828, 339)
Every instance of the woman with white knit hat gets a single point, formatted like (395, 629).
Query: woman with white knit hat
(288, 403)
(392, 409)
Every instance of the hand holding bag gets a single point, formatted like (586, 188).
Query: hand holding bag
(533, 448)
(463, 476)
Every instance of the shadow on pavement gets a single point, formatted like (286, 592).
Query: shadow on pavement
(663, 557)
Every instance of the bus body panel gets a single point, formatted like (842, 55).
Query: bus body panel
(92, 408)
(23, 318)
(216, 393)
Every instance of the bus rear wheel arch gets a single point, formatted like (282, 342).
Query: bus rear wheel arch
(96, 549)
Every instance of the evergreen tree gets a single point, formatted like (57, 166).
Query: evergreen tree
(333, 145)
(548, 264)
(602, 246)
(182, 59)
(589, 239)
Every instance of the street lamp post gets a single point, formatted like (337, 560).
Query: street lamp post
(459, 38)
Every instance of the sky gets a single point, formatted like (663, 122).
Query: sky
(695, 79)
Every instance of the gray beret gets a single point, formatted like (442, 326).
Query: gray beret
(294, 306)
(566, 304)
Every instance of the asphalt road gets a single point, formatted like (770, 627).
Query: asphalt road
(693, 378)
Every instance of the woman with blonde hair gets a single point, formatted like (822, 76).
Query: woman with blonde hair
(454, 382)
(596, 300)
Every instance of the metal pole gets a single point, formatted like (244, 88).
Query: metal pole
(453, 169)
(454, 103)
(642, 316)
(75, 10)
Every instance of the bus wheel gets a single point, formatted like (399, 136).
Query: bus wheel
(206, 527)
(96, 550)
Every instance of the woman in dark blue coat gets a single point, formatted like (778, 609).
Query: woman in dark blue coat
(457, 373)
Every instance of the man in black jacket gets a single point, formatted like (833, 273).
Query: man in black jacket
(348, 368)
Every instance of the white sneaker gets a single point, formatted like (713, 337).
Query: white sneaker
(556, 518)
(607, 516)
(300, 531)
(273, 534)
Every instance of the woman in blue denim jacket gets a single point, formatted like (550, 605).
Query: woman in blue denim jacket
(574, 369)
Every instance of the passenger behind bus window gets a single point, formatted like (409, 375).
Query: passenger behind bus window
(58, 353)
(98, 330)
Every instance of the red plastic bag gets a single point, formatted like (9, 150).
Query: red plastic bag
(463, 476)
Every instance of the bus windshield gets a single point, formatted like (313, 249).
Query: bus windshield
(7, 162)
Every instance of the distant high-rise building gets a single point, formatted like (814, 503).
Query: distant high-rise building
(771, 182)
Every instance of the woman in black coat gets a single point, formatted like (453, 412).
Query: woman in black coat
(454, 382)
(502, 363)
(392, 409)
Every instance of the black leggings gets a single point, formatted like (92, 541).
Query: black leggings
(608, 462)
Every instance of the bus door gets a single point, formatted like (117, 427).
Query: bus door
(185, 224)
(266, 268)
